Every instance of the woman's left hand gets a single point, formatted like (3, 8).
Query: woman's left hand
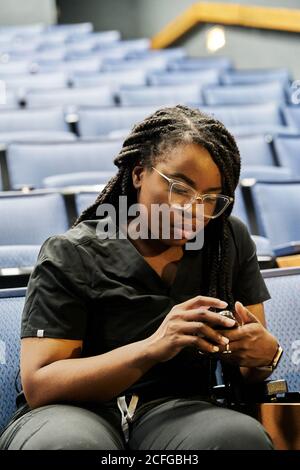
(251, 344)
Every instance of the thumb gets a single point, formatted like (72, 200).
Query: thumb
(243, 315)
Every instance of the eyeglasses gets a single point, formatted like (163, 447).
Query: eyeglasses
(182, 197)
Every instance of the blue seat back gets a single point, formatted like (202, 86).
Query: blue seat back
(84, 200)
(292, 115)
(95, 122)
(288, 152)
(255, 114)
(211, 76)
(283, 320)
(99, 96)
(244, 94)
(255, 150)
(276, 206)
(160, 95)
(11, 307)
(240, 77)
(50, 119)
(29, 164)
(30, 219)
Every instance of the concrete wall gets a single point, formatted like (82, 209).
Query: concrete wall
(14, 12)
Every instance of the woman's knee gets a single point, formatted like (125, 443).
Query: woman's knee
(230, 430)
(62, 427)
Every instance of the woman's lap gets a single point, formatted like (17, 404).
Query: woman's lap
(179, 423)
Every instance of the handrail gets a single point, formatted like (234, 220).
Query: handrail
(283, 19)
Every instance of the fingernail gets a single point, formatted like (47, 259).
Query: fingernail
(215, 348)
(229, 321)
(224, 340)
(222, 303)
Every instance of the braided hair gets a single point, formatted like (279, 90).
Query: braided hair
(148, 144)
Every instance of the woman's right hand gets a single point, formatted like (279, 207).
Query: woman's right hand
(190, 324)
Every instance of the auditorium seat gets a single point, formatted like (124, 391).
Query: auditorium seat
(146, 63)
(200, 77)
(85, 199)
(127, 77)
(96, 122)
(243, 77)
(36, 136)
(287, 150)
(10, 101)
(71, 97)
(200, 63)
(283, 320)
(292, 115)
(255, 150)
(276, 206)
(16, 257)
(11, 307)
(16, 67)
(29, 163)
(160, 95)
(49, 119)
(244, 94)
(78, 179)
(267, 114)
(28, 219)
(266, 173)
(24, 83)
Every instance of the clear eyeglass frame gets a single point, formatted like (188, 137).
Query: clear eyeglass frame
(196, 196)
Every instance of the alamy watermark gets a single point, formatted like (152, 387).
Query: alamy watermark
(295, 95)
(162, 221)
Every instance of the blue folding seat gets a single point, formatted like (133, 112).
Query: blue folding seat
(287, 149)
(81, 28)
(276, 206)
(160, 95)
(14, 257)
(243, 77)
(35, 136)
(85, 199)
(28, 219)
(29, 163)
(14, 68)
(23, 83)
(96, 122)
(172, 53)
(85, 178)
(125, 77)
(244, 94)
(252, 114)
(11, 307)
(199, 63)
(266, 173)
(292, 115)
(283, 320)
(211, 76)
(9, 101)
(147, 63)
(50, 119)
(71, 97)
(255, 150)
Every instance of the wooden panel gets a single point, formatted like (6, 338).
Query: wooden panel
(288, 261)
(282, 422)
(283, 19)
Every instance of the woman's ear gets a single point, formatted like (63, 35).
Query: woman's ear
(137, 176)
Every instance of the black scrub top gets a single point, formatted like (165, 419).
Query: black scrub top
(104, 293)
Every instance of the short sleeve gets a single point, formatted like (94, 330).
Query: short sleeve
(248, 285)
(55, 306)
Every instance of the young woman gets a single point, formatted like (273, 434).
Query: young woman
(109, 321)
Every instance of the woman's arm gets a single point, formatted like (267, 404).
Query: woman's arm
(251, 374)
(52, 371)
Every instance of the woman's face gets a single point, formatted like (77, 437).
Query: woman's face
(187, 163)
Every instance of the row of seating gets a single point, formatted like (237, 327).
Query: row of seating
(280, 311)
(130, 88)
(94, 121)
(59, 163)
